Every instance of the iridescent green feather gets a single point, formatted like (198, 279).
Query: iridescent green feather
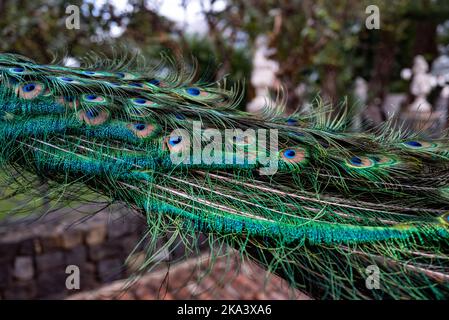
(339, 202)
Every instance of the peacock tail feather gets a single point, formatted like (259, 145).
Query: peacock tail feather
(303, 195)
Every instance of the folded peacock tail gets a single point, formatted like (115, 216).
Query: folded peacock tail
(321, 206)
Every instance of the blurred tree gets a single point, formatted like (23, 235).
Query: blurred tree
(314, 40)
(37, 28)
(322, 44)
(149, 32)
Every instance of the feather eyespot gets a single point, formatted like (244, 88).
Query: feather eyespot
(382, 160)
(291, 122)
(66, 79)
(140, 126)
(414, 144)
(193, 91)
(93, 98)
(143, 130)
(93, 116)
(140, 106)
(142, 102)
(139, 101)
(174, 140)
(126, 75)
(29, 87)
(95, 73)
(289, 153)
(69, 80)
(17, 70)
(180, 118)
(360, 162)
(356, 161)
(176, 143)
(30, 90)
(293, 155)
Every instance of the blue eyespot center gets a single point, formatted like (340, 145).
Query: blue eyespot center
(66, 79)
(91, 97)
(289, 153)
(179, 116)
(18, 69)
(135, 84)
(416, 144)
(173, 141)
(154, 82)
(140, 101)
(120, 74)
(29, 87)
(140, 126)
(291, 122)
(89, 72)
(356, 161)
(193, 91)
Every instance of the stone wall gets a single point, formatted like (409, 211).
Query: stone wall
(34, 255)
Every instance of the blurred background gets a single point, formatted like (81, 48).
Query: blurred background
(385, 58)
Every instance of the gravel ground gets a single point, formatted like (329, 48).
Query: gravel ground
(192, 279)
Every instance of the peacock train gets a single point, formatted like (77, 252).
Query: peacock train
(318, 205)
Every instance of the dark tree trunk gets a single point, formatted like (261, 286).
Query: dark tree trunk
(383, 66)
(329, 85)
(426, 39)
